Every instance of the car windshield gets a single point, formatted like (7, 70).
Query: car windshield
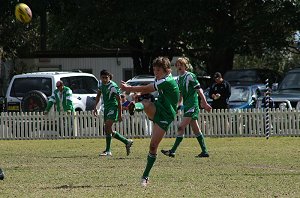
(290, 81)
(81, 84)
(23, 85)
(239, 94)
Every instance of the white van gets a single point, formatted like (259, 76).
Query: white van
(30, 91)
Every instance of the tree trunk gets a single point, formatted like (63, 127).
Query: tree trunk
(141, 59)
(220, 61)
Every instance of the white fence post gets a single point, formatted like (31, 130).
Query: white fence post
(218, 123)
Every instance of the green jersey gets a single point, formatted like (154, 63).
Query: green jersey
(109, 92)
(188, 86)
(168, 96)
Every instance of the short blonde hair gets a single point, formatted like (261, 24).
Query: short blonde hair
(186, 62)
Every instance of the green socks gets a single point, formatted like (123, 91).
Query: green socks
(139, 106)
(176, 143)
(108, 141)
(201, 141)
(150, 161)
(120, 137)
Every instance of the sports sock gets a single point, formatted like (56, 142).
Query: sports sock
(139, 106)
(178, 140)
(200, 138)
(150, 161)
(120, 137)
(108, 142)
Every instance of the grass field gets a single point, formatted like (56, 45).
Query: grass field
(237, 167)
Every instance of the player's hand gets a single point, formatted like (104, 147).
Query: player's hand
(120, 118)
(124, 86)
(206, 106)
(95, 112)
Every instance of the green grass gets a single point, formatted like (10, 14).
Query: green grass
(238, 167)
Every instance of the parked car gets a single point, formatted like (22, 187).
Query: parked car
(242, 96)
(205, 81)
(30, 91)
(252, 76)
(286, 95)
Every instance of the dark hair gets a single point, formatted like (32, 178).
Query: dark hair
(104, 72)
(217, 75)
(162, 62)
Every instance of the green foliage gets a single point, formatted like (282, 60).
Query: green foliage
(211, 31)
(237, 167)
(16, 37)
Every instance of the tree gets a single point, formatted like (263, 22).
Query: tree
(210, 32)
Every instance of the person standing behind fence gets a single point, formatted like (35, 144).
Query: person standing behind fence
(220, 92)
(62, 97)
(162, 111)
(189, 90)
(112, 111)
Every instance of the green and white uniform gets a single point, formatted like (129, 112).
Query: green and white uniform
(166, 104)
(109, 92)
(63, 100)
(188, 86)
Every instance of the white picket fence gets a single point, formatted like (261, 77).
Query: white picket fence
(218, 123)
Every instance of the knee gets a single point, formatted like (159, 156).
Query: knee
(146, 103)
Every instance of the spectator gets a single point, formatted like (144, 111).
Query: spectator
(220, 92)
(62, 97)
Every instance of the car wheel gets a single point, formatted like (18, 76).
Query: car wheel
(34, 101)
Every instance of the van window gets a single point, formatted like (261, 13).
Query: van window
(21, 86)
(81, 84)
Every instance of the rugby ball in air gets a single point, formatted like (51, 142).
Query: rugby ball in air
(23, 13)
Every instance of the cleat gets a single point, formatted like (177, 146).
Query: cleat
(128, 145)
(203, 155)
(1, 174)
(145, 181)
(105, 153)
(168, 153)
(131, 108)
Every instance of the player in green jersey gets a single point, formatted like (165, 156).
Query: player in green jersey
(162, 112)
(112, 110)
(189, 90)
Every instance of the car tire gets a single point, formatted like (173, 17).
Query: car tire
(34, 101)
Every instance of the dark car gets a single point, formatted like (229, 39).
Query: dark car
(287, 94)
(252, 76)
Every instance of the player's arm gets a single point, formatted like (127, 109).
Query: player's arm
(144, 89)
(119, 107)
(95, 112)
(203, 103)
(179, 104)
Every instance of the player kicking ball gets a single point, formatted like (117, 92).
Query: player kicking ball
(162, 112)
(189, 90)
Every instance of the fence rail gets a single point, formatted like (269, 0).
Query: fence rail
(218, 123)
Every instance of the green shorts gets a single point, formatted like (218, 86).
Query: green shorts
(192, 112)
(111, 114)
(162, 119)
